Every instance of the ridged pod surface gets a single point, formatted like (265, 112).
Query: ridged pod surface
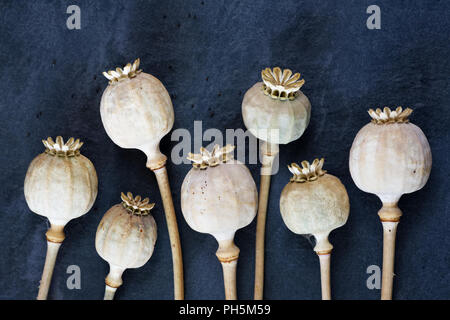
(275, 110)
(137, 112)
(124, 239)
(315, 206)
(390, 159)
(60, 187)
(219, 200)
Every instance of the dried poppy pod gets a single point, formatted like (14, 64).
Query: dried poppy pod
(61, 184)
(276, 112)
(389, 157)
(125, 238)
(137, 112)
(219, 196)
(316, 203)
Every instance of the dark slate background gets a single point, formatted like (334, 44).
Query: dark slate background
(208, 53)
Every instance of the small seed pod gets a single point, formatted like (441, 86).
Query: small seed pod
(125, 238)
(275, 110)
(219, 196)
(389, 157)
(316, 203)
(137, 111)
(61, 184)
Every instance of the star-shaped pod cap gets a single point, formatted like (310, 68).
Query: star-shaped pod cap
(136, 205)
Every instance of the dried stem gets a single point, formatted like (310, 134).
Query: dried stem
(325, 275)
(269, 152)
(109, 293)
(390, 216)
(389, 231)
(228, 254)
(55, 237)
(177, 259)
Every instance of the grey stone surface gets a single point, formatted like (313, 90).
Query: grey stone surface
(208, 53)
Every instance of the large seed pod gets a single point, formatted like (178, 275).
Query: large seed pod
(137, 111)
(390, 156)
(218, 198)
(61, 184)
(314, 202)
(275, 110)
(126, 237)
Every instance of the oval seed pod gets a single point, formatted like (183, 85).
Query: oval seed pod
(389, 157)
(276, 112)
(219, 196)
(125, 238)
(137, 112)
(61, 184)
(316, 203)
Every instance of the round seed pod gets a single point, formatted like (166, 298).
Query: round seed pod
(61, 184)
(314, 202)
(390, 156)
(275, 110)
(218, 195)
(137, 111)
(126, 237)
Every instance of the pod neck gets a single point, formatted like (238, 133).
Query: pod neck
(390, 212)
(323, 246)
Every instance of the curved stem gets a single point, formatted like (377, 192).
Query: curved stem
(55, 236)
(177, 258)
(269, 153)
(228, 254)
(387, 279)
(325, 275)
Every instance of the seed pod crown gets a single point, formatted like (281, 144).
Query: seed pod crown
(279, 84)
(135, 205)
(128, 72)
(69, 149)
(206, 159)
(308, 172)
(388, 116)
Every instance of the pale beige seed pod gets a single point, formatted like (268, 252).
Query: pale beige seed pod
(316, 203)
(61, 184)
(276, 112)
(389, 157)
(125, 238)
(219, 196)
(137, 112)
